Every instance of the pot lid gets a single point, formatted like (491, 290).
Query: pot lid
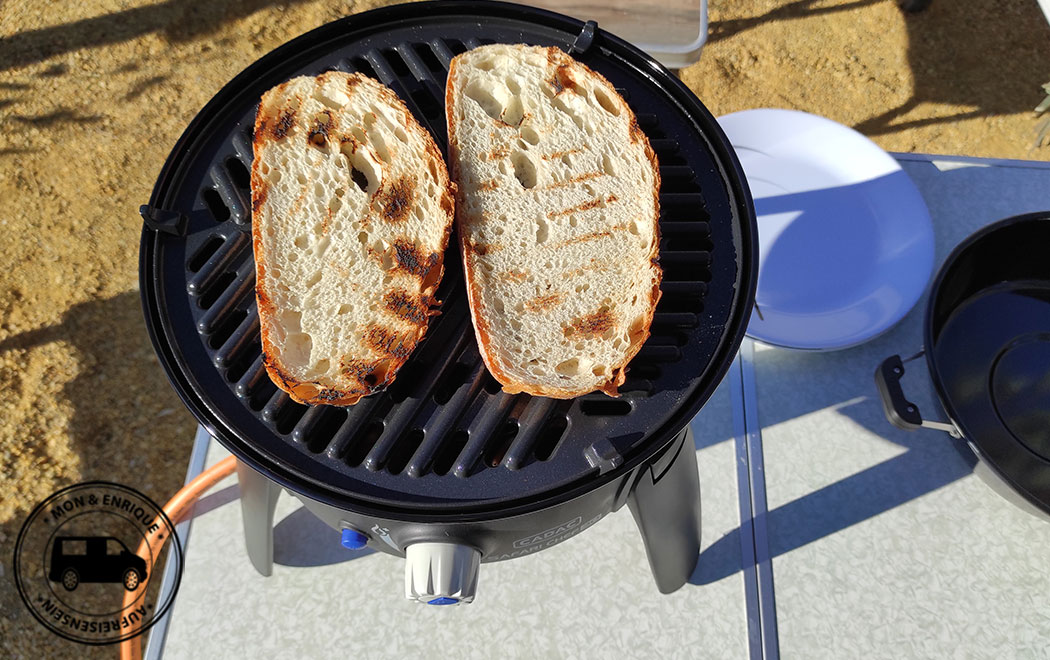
(1020, 391)
(992, 359)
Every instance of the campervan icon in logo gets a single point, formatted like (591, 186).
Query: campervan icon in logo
(84, 558)
(76, 559)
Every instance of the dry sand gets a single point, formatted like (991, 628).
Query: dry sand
(94, 94)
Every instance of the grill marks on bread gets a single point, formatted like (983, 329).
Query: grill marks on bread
(412, 260)
(389, 342)
(406, 306)
(593, 236)
(557, 219)
(541, 303)
(323, 122)
(584, 206)
(352, 210)
(586, 176)
(395, 200)
(284, 124)
(562, 78)
(259, 191)
(594, 325)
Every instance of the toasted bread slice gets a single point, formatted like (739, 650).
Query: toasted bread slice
(557, 213)
(351, 213)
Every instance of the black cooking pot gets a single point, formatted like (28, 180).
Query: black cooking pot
(987, 346)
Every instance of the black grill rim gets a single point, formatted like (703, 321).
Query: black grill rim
(745, 231)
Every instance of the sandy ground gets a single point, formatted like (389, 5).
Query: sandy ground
(94, 94)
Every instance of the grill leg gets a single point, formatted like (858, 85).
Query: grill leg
(665, 503)
(258, 501)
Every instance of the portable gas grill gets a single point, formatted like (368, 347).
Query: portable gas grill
(443, 467)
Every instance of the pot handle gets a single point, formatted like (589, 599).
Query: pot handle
(903, 413)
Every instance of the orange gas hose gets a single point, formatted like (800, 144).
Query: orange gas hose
(176, 509)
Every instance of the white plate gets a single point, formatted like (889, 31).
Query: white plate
(845, 238)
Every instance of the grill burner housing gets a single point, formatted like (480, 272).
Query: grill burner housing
(443, 446)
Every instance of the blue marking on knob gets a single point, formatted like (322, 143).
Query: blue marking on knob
(353, 539)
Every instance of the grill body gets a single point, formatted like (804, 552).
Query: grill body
(507, 537)
(443, 449)
(663, 495)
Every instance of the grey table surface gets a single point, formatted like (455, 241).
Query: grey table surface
(868, 541)
(591, 596)
(884, 545)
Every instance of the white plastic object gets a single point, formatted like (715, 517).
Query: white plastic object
(674, 33)
(845, 238)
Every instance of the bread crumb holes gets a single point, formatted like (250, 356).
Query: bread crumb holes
(606, 102)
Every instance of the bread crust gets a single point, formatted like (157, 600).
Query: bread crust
(370, 375)
(617, 372)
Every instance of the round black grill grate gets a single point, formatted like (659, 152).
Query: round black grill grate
(443, 436)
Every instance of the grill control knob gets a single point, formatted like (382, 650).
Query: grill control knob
(352, 539)
(441, 573)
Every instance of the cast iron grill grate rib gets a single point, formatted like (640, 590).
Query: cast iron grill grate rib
(231, 324)
(444, 417)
